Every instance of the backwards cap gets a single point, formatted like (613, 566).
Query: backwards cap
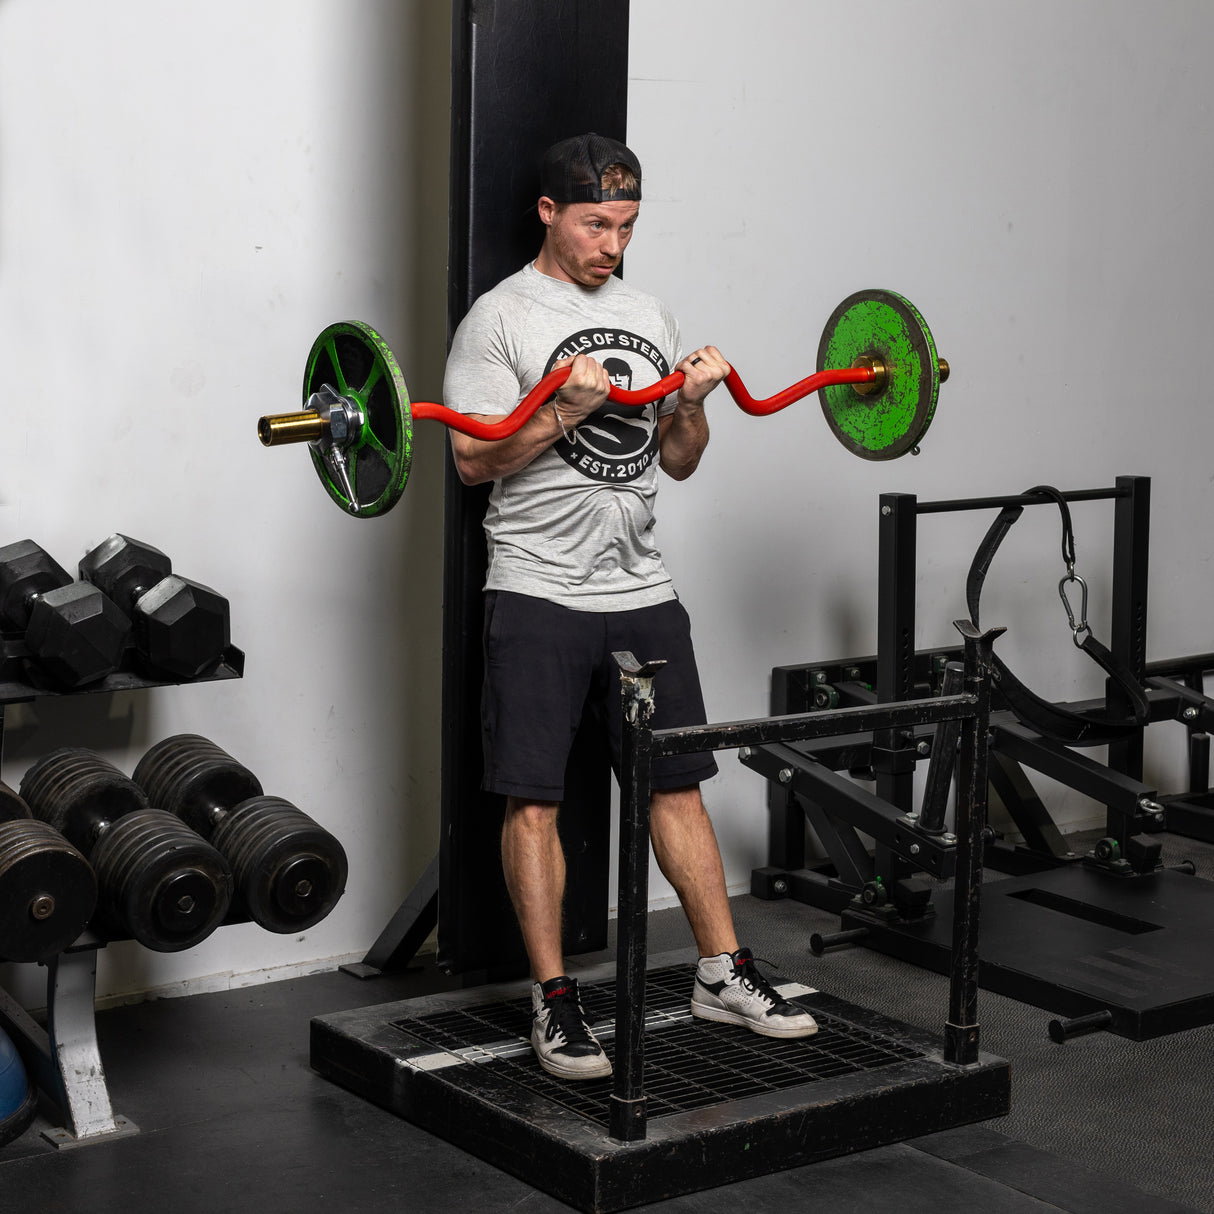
(573, 170)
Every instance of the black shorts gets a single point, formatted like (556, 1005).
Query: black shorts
(544, 664)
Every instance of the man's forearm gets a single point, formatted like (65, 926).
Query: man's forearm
(479, 460)
(576, 399)
(683, 440)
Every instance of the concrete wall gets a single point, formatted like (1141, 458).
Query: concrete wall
(189, 192)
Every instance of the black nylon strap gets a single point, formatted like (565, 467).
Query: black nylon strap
(1074, 728)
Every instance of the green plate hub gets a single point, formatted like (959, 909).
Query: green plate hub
(356, 362)
(882, 325)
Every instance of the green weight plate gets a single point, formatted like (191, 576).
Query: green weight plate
(356, 362)
(893, 421)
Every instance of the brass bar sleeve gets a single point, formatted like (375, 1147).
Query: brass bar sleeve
(880, 375)
(280, 428)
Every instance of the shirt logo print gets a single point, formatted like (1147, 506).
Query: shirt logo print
(616, 442)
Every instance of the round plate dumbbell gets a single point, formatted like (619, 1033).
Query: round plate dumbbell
(180, 627)
(47, 889)
(289, 871)
(74, 631)
(158, 881)
(358, 419)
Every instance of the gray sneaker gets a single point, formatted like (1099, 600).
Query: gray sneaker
(562, 1042)
(730, 989)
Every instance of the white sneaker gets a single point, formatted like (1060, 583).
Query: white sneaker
(562, 1042)
(730, 989)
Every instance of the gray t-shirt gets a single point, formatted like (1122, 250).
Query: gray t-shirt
(575, 526)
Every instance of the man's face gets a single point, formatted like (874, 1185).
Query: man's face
(585, 240)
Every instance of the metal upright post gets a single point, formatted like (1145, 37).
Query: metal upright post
(896, 639)
(627, 1117)
(785, 818)
(961, 1030)
(893, 758)
(1199, 762)
(1199, 740)
(944, 758)
(1128, 635)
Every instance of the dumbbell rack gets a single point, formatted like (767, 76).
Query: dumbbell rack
(63, 1058)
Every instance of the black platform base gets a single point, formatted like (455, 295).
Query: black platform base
(1076, 941)
(723, 1103)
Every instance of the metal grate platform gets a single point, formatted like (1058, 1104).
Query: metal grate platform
(689, 1063)
(723, 1103)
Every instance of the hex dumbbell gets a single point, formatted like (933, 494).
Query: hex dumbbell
(158, 881)
(74, 631)
(289, 871)
(181, 627)
(47, 889)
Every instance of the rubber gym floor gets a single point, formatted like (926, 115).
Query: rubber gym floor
(232, 1117)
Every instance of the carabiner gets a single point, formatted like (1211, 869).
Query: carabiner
(1082, 626)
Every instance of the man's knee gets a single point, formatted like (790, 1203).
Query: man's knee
(678, 798)
(531, 816)
(677, 801)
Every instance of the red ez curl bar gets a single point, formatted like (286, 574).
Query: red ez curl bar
(878, 378)
(513, 422)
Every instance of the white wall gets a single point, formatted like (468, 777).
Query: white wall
(1035, 176)
(189, 192)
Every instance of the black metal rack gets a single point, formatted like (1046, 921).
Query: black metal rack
(1074, 936)
(64, 1058)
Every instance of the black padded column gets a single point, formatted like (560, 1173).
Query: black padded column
(525, 73)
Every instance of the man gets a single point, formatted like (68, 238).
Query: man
(574, 574)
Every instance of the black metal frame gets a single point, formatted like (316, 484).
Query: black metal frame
(1143, 990)
(641, 744)
(896, 611)
(836, 808)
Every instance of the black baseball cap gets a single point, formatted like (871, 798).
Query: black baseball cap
(573, 170)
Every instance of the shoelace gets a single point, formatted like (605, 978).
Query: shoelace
(748, 975)
(565, 1015)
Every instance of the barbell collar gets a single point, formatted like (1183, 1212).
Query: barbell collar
(335, 457)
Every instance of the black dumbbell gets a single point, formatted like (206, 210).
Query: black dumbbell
(289, 871)
(158, 881)
(72, 630)
(181, 627)
(47, 889)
